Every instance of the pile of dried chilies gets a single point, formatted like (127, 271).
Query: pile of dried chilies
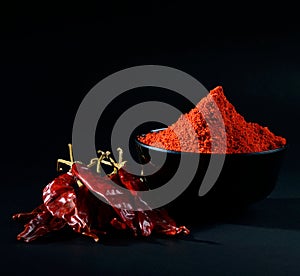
(69, 201)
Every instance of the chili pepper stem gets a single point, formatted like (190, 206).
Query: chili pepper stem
(109, 160)
(93, 161)
(120, 155)
(79, 183)
(62, 161)
(104, 158)
(98, 170)
(71, 153)
(98, 161)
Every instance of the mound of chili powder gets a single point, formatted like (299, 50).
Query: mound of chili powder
(240, 136)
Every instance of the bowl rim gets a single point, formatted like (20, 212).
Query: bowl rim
(207, 154)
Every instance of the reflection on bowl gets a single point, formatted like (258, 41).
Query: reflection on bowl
(244, 179)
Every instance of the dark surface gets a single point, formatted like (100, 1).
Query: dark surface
(52, 56)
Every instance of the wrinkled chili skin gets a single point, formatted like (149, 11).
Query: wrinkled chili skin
(164, 224)
(110, 193)
(47, 217)
(26, 217)
(131, 181)
(149, 220)
(81, 217)
(59, 196)
(65, 199)
(69, 201)
(41, 224)
(134, 184)
(138, 221)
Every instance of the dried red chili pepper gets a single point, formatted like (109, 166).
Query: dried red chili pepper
(44, 218)
(59, 196)
(62, 201)
(81, 217)
(150, 220)
(68, 200)
(131, 181)
(134, 184)
(26, 217)
(146, 219)
(42, 223)
(164, 224)
(108, 192)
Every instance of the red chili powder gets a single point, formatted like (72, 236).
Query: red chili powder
(240, 136)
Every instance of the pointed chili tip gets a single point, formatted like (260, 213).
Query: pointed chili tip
(93, 236)
(183, 229)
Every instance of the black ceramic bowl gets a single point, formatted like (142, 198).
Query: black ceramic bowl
(244, 178)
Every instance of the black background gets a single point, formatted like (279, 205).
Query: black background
(52, 56)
